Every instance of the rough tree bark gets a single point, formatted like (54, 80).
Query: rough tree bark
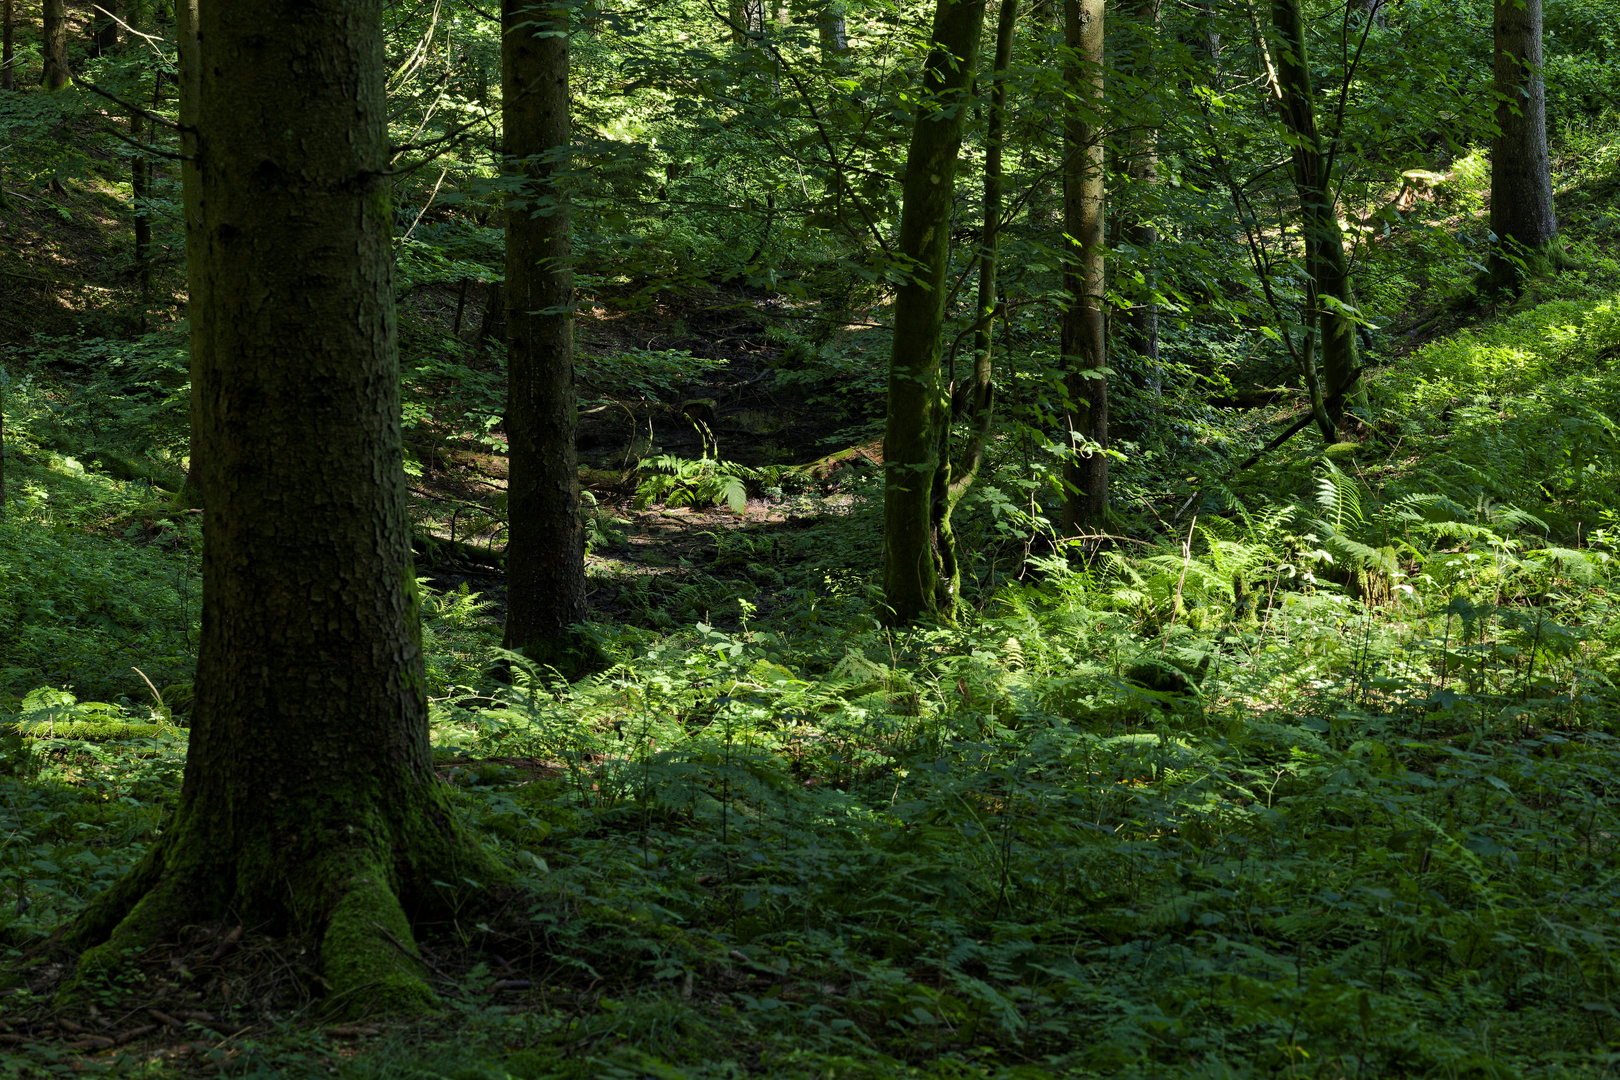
(916, 469)
(1522, 216)
(1084, 331)
(545, 558)
(309, 804)
(1330, 302)
(832, 30)
(54, 45)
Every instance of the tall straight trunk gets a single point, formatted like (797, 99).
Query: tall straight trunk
(916, 467)
(1084, 331)
(545, 558)
(140, 175)
(54, 45)
(190, 79)
(1329, 299)
(973, 400)
(8, 46)
(1139, 323)
(309, 805)
(1522, 216)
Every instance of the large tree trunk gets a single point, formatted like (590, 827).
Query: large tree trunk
(1522, 216)
(8, 48)
(54, 45)
(832, 30)
(309, 804)
(1084, 332)
(545, 558)
(1330, 300)
(916, 469)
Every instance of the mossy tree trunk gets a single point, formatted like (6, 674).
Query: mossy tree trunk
(1330, 303)
(309, 804)
(54, 45)
(1522, 215)
(1084, 331)
(545, 558)
(917, 563)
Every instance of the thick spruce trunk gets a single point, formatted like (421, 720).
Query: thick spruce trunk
(54, 45)
(1329, 296)
(916, 468)
(1084, 331)
(545, 558)
(1522, 216)
(309, 804)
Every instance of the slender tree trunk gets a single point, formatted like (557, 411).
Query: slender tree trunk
(916, 469)
(1084, 331)
(1522, 216)
(8, 49)
(545, 558)
(1330, 300)
(309, 804)
(140, 175)
(54, 45)
(190, 72)
(1139, 323)
(974, 400)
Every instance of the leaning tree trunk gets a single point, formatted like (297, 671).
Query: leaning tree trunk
(545, 558)
(54, 45)
(1330, 301)
(1522, 216)
(309, 804)
(916, 469)
(1084, 330)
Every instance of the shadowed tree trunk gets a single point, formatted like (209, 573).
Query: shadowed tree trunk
(1139, 323)
(1330, 304)
(973, 400)
(1522, 216)
(1084, 331)
(54, 45)
(190, 72)
(309, 804)
(916, 466)
(545, 558)
(8, 48)
(104, 37)
(832, 30)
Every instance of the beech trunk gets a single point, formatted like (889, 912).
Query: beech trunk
(309, 804)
